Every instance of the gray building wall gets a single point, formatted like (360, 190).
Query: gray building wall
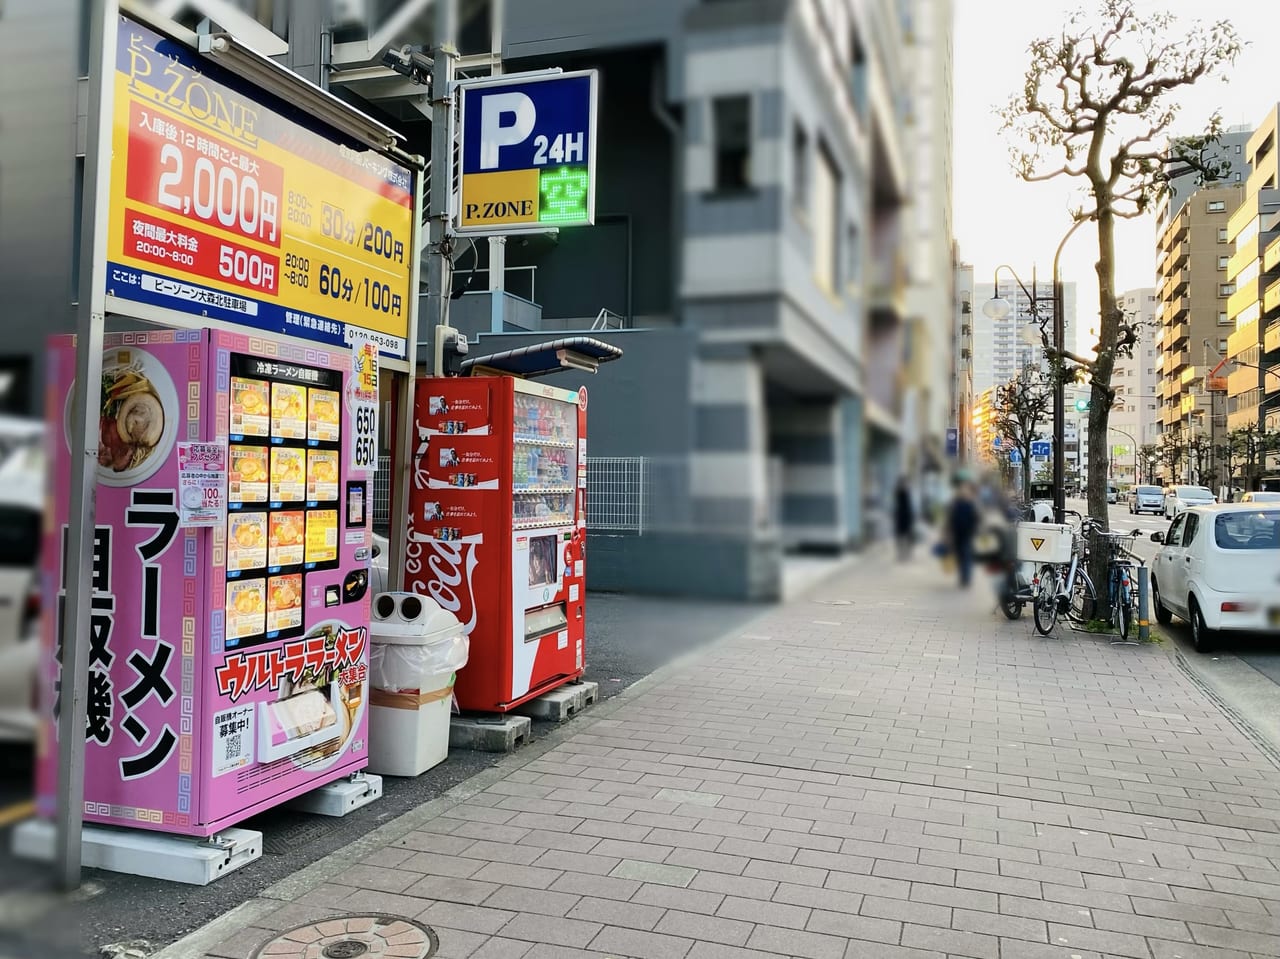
(40, 55)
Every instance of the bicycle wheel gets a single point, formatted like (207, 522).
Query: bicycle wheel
(1124, 617)
(1084, 598)
(1046, 601)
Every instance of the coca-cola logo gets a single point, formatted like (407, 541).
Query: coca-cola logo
(421, 476)
(445, 571)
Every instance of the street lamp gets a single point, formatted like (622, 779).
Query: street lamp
(998, 308)
(1129, 437)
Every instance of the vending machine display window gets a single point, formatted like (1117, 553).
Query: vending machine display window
(284, 494)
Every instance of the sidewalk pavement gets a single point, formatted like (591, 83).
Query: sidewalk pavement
(885, 768)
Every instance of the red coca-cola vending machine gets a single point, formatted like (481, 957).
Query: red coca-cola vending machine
(497, 529)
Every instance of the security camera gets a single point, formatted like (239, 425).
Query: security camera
(410, 63)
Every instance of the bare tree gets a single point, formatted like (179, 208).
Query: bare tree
(1018, 410)
(1172, 450)
(1097, 100)
(1145, 454)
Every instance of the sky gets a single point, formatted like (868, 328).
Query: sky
(999, 218)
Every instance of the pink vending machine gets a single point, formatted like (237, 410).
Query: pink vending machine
(230, 610)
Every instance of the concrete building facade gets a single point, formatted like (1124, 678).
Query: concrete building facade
(1134, 418)
(753, 240)
(1004, 346)
(1253, 387)
(1192, 259)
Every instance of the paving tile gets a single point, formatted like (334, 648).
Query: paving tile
(611, 912)
(950, 941)
(699, 928)
(511, 874)
(653, 872)
(866, 928)
(790, 942)
(518, 899)
(607, 887)
(617, 941)
(769, 913)
(499, 948)
(556, 930)
(471, 918)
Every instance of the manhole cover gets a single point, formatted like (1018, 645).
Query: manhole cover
(351, 937)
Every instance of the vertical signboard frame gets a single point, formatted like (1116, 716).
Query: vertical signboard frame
(94, 301)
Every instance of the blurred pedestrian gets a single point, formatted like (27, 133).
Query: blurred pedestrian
(904, 520)
(962, 526)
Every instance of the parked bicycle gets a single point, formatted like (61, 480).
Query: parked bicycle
(1066, 589)
(1122, 581)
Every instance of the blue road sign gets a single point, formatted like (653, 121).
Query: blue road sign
(953, 441)
(998, 442)
(1015, 458)
(1042, 448)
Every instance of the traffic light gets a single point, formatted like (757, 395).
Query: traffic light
(1082, 406)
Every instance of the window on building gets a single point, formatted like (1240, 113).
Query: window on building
(853, 254)
(1217, 206)
(1222, 234)
(1222, 318)
(1222, 346)
(732, 117)
(858, 72)
(1222, 262)
(826, 219)
(1237, 177)
(800, 169)
(1226, 289)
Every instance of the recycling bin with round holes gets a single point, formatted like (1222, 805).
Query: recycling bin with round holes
(416, 650)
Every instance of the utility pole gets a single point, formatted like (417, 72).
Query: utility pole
(439, 245)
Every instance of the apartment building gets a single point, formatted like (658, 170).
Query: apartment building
(1192, 258)
(1002, 347)
(1253, 386)
(1134, 420)
(1228, 153)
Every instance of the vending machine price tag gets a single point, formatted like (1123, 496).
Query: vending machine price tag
(364, 406)
(202, 484)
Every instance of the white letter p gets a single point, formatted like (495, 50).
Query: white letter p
(493, 134)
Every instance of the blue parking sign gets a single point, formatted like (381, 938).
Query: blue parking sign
(528, 152)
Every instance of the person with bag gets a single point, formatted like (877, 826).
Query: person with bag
(962, 527)
(904, 520)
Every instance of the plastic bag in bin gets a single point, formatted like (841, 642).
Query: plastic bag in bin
(407, 668)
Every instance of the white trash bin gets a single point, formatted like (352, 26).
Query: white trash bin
(416, 650)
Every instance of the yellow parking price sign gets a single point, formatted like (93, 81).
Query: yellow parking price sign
(232, 205)
(528, 152)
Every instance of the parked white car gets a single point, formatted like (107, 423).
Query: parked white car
(1260, 497)
(1179, 498)
(1219, 569)
(21, 511)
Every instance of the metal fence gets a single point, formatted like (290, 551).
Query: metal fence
(616, 493)
(382, 495)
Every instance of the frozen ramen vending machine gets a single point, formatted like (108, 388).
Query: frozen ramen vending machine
(230, 611)
(497, 529)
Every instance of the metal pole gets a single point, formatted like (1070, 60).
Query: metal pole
(90, 323)
(1144, 603)
(497, 244)
(445, 53)
(1059, 404)
(1060, 393)
(402, 463)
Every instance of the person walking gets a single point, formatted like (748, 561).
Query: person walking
(962, 527)
(904, 520)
